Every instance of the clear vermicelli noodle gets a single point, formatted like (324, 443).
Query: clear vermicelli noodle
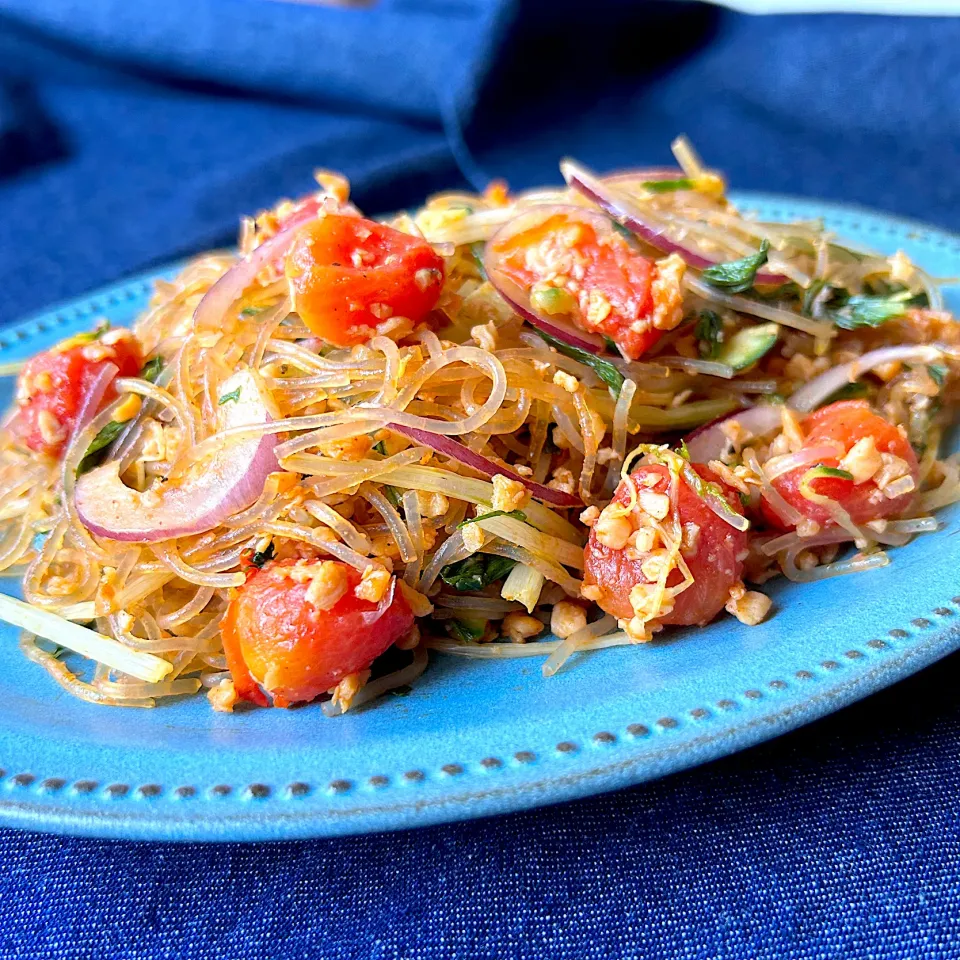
(501, 425)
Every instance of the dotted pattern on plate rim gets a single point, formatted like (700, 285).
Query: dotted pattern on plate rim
(601, 740)
(604, 739)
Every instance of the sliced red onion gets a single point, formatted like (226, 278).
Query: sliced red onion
(812, 395)
(213, 490)
(606, 195)
(708, 442)
(93, 398)
(518, 298)
(457, 451)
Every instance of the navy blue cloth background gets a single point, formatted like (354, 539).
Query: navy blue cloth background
(133, 132)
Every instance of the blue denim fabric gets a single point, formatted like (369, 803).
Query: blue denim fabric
(131, 133)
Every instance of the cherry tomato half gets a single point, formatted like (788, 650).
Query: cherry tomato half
(713, 550)
(846, 422)
(52, 386)
(279, 641)
(600, 282)
(348, 274)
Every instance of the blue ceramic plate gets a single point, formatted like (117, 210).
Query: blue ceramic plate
(475, 737)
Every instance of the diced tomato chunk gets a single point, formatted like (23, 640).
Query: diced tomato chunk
(713, 550)
(296, 628)
(52, 386)
(598, 281)
(845, 423)
(348, 275)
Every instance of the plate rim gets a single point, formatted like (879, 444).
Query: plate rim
(254, 825)
(25, 808)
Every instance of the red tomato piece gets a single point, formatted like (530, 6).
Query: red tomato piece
(281, 642)
(614, 292)
(846, 422)
(53, 385)
(714, 553)
(348, 275)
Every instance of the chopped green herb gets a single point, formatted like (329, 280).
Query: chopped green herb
(263, 556)
(849, 391)
(230, 397)
(393, 495)
(102, 327)
(611, 344)
(737, 276)
(381, 448)
(708, 331)
(624, 231)
(744, 498)
(98, 446)
(683, 451)
(151, 369)
(867, 311)
(251, 311)
(938, 373)
(604, 369)
(516, 514)
(476, 572)
(668, 186)
(466, 631)
(478, 249)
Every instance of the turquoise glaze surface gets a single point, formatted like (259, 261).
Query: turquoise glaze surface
(474, 738)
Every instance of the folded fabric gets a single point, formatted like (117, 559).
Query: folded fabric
(393, 58)
(134, 133)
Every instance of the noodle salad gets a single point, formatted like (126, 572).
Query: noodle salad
(498, 426)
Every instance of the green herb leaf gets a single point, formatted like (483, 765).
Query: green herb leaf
(623, 231)
(867, 311)
(381, 448)
(516, 514)
(938, 373)
(151, 369)
(683, 451)
(708, 331)
(476, 572)
(668, 186)
(393, 495)
(98, 446)
(252, 311)
(102, 327)
(604, 369)
(466, 631)
(478, 249)
(849, 391)
(737, 276)
(263, 556)
(230, 397)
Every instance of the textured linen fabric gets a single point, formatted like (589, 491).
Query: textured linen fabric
(132, 132)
